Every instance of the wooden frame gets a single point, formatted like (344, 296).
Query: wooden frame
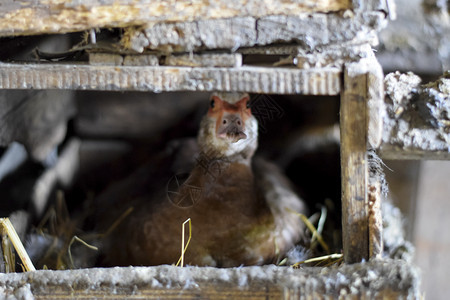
(361, 110)
(27, 17)
(361, 93)
(311, 67)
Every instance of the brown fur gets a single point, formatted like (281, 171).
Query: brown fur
(233, 221)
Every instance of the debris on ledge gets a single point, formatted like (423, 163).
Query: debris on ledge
(417, 122)
(373, 279)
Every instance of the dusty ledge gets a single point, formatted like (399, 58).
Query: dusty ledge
(375, 279)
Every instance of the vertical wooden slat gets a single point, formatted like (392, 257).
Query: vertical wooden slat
(375, 117)
(354, 170)
(361, 128)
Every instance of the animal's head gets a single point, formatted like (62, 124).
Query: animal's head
(229, 128)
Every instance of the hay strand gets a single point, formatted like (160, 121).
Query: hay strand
(312, 229)
(8, 228)
(75, 238)
(333, 258)
(183, 247)
(119, 220)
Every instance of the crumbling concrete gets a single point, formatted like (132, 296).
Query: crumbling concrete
(417, 123)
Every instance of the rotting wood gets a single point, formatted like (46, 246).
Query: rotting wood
(28, 17)
(354, 171)
(389, 279)
(375, 220)
(325, 81)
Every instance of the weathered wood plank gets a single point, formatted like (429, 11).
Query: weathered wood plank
(361, 128)
(114, 59)
(354, 171)
(325, 81)
(205, 60)
(27, 17)
(391, 279)
(308, 30)
(375, 101)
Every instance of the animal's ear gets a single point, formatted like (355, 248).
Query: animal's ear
(247, 101)
(244, 102)
(214, 102)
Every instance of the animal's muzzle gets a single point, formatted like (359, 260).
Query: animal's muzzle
(232, 127)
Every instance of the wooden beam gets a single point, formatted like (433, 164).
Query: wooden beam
(362, 109)
(376, 279)
(375, 115)
(324, 81)
(395, 152)
(308, 30)
(354, 172)
(25, 17)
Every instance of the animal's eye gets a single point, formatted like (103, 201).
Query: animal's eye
(212, 103)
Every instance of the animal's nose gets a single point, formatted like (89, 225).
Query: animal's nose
(234, 121)
(231, 127)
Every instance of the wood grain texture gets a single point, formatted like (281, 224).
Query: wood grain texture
(354, 171)
(27, 17)
(325, 81)
(362, 108)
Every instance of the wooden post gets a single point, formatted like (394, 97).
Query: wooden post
(375, 115)
(354, 171)
(360, 123)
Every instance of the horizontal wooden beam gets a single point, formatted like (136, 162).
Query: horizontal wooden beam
(376, 279)
(25, 17)
(308, 30)
(324, 81)
(393, 152)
